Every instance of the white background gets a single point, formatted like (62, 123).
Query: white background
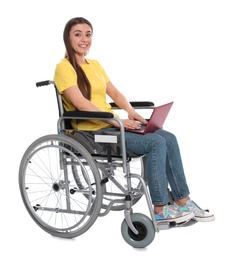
(152, 50)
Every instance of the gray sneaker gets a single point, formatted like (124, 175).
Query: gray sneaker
(170, 213)
(199, 214)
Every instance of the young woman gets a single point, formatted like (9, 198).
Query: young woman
(84, 85)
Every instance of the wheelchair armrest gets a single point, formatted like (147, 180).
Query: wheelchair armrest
(87, 114)
(136, 104)
(82, 115)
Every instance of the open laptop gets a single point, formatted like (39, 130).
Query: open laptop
(156, 120)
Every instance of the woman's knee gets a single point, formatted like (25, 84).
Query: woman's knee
(169, 137)
(146, 143)
(157, 142)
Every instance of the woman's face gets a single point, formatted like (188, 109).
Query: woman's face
(80, 37)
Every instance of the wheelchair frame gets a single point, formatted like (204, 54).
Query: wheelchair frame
(65, 186)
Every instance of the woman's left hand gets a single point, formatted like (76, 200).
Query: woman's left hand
(133, 115)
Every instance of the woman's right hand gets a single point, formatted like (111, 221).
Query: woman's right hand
(131, 124)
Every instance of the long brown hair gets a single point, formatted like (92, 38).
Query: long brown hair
(82, 80)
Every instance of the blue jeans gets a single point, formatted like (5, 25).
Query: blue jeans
(163, 164)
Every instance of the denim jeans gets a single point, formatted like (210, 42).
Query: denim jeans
(163, 164)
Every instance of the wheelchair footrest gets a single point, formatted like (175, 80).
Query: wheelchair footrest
(187, 223)
(168, 225)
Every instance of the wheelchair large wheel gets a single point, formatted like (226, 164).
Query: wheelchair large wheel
(144, 226)
(49, 190)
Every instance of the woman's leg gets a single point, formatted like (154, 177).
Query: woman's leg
(163, 166)
(174, 167)
(154, 146)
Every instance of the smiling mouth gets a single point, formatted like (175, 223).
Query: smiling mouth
(83, 45)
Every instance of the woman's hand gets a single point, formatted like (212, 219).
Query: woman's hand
(134, 120)
(131, 124)
(133, 115)
(127, 123)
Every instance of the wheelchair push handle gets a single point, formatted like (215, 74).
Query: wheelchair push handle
(44, 83)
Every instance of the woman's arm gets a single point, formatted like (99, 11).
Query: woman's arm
(123, 103)
(118, 97)
(82, 104)
(78, 100)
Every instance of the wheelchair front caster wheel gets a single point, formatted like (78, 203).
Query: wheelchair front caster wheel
(144, 226)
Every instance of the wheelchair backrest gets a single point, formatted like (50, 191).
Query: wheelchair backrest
(61, 109)
(59, 102)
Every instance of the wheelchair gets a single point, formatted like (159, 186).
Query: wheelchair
(66, 184)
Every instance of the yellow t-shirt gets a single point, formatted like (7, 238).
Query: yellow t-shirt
(65, 77)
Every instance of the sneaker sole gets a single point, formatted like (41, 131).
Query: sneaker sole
(204, 219)
(179, 220)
